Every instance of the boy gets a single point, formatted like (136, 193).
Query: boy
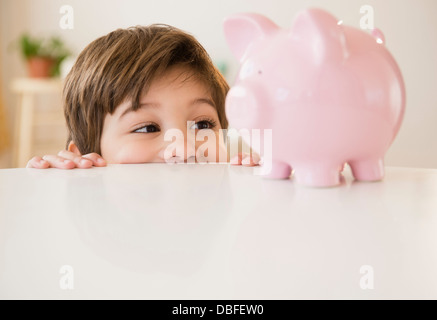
(129, 88)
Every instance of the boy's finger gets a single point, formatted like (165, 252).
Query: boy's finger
(80, 162)
(250, 160)
(236, 160)
(67, 154)
(59, 162)
(97, 159)
(247, 160)
(38, 163)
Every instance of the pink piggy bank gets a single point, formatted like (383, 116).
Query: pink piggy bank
(331, 94)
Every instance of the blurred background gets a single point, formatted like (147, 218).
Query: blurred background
(60, 29)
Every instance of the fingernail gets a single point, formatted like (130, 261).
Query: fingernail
(100, 160)
(84, 161)
(66, 161)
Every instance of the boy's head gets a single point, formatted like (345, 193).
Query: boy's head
(134, 71)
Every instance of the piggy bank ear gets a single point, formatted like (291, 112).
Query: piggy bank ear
(320, 34)
(241, 30)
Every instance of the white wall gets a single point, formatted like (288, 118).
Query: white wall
(410, 28)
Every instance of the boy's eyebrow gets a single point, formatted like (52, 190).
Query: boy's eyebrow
(156, 105)
(142, 105)
(202, 100)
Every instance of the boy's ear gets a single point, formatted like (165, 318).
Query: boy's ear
(73, 148)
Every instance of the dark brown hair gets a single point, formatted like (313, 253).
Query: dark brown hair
(122, 65)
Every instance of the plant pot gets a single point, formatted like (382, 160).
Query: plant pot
(40, 67)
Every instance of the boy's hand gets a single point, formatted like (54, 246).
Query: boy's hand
(245, 159)
(67, 160)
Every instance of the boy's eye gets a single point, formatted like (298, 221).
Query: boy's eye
(204, 124)
(147, 129)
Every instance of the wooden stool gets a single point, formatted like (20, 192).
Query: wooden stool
(28, 88)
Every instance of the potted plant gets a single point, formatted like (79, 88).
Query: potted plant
(43, 56)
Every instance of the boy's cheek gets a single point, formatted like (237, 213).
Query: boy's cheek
(130, 153)
(210, 150)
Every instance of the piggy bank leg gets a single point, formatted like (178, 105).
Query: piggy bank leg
(318, 175)
(276, 170)
(368, 170)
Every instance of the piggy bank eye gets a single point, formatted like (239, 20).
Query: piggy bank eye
(260, 72)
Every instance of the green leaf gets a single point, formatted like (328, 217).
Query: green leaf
(53, 48)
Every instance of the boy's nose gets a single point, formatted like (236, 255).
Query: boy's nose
(180, 150)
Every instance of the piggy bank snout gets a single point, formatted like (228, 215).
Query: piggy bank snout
(242, 107)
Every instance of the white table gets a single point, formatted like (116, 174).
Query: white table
(158, 231)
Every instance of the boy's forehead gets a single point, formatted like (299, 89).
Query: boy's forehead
(182, 88)
(178, 76)
(178, 80)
